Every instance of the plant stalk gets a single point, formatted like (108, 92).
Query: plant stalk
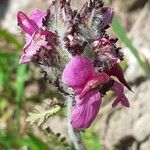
(73, 134)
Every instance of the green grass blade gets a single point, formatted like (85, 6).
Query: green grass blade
(9, 141)
(1, 77)
(122, 35)
(35, 143)
(20, 76)
(20, 81)
(6, 55)
(4, 141)
(8, 62)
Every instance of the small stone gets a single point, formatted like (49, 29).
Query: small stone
(141, 128)
(145, 145)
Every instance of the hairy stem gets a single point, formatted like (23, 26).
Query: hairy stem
(73, 134)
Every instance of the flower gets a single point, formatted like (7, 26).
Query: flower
(80, 75)
(37, 37)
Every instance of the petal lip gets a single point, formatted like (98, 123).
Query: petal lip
(119, 91)
(85, 111)
(124, 101)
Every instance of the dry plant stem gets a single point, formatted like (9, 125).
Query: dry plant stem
(73, 134)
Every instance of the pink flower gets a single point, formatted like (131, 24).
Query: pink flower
(37, 37)
(80, 75)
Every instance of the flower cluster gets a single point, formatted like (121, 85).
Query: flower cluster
(75, 43)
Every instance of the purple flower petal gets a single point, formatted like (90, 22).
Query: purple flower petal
(25, 23)
(86, 109)
(25, 59)
(116, 71)
(118, 89)
(107, 16)
(78, 71)
(99, 79)
(32, 47)
(37, 16)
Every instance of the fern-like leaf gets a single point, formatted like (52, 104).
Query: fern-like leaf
(40, 114)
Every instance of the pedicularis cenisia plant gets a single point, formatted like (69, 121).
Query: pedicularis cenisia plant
(77, 54)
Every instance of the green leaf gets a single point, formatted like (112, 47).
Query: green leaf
(9, 38)
(40, 114)
(122, 35)
(4, 141)
(34, 143)
(11, 141)
(8, 62)
(20, 81)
